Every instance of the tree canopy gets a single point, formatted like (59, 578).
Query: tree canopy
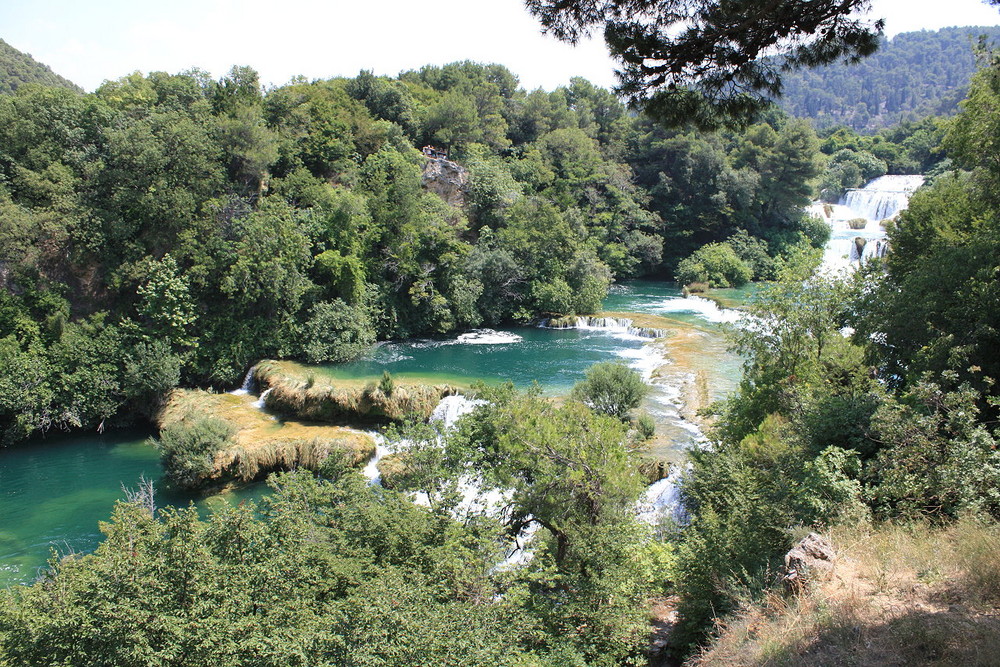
(713, 62)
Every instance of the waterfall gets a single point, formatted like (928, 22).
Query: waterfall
(662, 500)
(247, 384)
(882, 198)
(260, 403)
(620, 325)
(452, 407)
(371, 468)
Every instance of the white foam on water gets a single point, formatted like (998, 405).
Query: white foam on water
(486, 337)
(451, 408)
(662, 499)
(381, 450)
(391, 355)
(246, 386)
(706, 309)
(475, 337)
(882, 198)
(617, 327)
(261, 400)
(645, 360)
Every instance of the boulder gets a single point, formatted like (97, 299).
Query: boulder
(812, 559)
(446, 179)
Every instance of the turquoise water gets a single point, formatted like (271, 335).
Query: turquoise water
(555, 358)
(54, 492)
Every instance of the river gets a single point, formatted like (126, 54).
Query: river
(53, 492)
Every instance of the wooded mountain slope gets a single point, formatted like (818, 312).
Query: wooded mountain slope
(17, 69)
(914, 74)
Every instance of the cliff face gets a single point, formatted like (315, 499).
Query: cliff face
(446, 179)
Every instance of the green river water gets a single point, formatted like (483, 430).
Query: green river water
(54, 492)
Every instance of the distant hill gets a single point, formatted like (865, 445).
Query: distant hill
(914, 74)
(17, 69)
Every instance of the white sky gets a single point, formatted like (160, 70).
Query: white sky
(89, 42)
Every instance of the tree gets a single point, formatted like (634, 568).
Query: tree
(165, 303)
(337, 332)
(712, 62)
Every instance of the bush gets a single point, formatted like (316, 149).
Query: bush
(754, 252)
(645, 425)
(188, 448)
(387, 385)
(337, 332)
(816, 230)
(716, 264)
(611, 388)
(553, 296)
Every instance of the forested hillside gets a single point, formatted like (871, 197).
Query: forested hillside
(17, 69)
(176, 229)
(915, 74)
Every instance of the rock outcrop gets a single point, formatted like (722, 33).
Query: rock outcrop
(810, 560)
(448, 180)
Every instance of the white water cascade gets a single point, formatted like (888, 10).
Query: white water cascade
(879, 200)
(615, 325)
(247, 384)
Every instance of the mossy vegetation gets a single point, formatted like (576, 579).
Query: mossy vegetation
(322, 400)
(255, 442)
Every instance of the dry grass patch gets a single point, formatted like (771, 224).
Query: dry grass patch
(900, 595)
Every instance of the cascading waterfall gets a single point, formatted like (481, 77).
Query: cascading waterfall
(662, 500)
(261, 401)
(883, 197)
(615, 324)
(247, 385)
(880, 199)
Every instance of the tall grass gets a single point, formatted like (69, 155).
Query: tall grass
(901, 594)
(256, 443)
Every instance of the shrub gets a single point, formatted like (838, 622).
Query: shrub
(386, 385)
(611, 388)
(554, 296)
(753, 251)
(188, 448)
(645, 425)
(716, 264)
(815, 229)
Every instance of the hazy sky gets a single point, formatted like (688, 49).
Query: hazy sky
(89, 42)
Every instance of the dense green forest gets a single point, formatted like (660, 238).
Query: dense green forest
(174, 229)
(17, 69)
(913, 75)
